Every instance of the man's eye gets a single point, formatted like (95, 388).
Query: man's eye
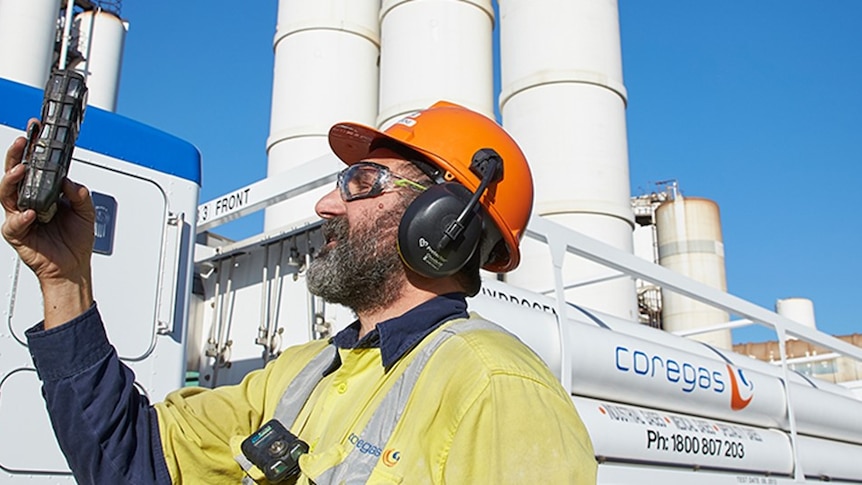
(364, 180)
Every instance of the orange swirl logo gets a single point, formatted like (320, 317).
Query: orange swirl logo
(390, 457)
(737, 402)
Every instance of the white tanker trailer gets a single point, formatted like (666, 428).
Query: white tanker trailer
(651, 399)
(659, 408)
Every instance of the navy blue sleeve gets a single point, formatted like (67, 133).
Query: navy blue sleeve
(107, 430)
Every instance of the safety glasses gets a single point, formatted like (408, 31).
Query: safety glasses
(368, 179)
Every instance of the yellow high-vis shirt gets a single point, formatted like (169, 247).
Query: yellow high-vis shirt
(485, 409)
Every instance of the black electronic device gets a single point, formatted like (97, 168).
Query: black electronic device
(441, 228)
(275, 451)
(50, 143)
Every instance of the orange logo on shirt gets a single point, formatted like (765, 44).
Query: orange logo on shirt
(390, 457)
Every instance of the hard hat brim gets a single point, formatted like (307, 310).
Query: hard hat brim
(352, 142)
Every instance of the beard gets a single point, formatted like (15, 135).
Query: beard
(362, 270)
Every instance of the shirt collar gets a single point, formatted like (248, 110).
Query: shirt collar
(397, 336)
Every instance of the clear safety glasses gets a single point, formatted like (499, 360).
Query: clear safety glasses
(368, 179)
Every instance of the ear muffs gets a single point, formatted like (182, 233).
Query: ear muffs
(423, 234)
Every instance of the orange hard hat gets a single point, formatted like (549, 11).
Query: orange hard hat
(448, 135)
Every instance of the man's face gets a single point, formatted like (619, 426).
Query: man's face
(359, 266)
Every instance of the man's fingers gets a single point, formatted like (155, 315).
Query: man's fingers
(33, 121)
(15, 153)
(79, 197)
(17, 224)
(9, 188)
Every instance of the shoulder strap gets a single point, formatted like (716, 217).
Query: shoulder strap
(301, 387)
(356, 467)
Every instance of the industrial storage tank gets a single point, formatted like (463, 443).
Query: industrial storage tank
(325, 71)
(797, 309)
(434, 50)
(563, 99)
(27, 32)
(690, 243)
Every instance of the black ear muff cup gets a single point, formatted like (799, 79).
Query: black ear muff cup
(426, 220)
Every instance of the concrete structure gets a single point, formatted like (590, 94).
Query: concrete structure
(811, 360)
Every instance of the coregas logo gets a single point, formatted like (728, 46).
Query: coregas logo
(686, 376)
(363, 446)
(390, 456)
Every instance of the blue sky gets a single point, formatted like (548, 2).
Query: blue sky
(753, 104)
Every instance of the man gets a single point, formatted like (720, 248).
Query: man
(415, 391)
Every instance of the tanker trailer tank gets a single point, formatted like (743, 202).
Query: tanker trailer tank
(630, 363)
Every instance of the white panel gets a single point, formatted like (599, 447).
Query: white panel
(140, 218)
(232, 320)
(101, 36)
(27, 30)
(854, 388)
(26, 427)
(435, 50)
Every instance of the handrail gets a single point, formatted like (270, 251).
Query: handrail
(594, 250)
(556, 235)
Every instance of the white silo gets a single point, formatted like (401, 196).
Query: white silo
(325, 70)
(28, 29)
(432, 50)
(800, 310)
(100, 36)
(690, 243)
(563, 99)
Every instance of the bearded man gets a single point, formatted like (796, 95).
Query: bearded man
(416, 390)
